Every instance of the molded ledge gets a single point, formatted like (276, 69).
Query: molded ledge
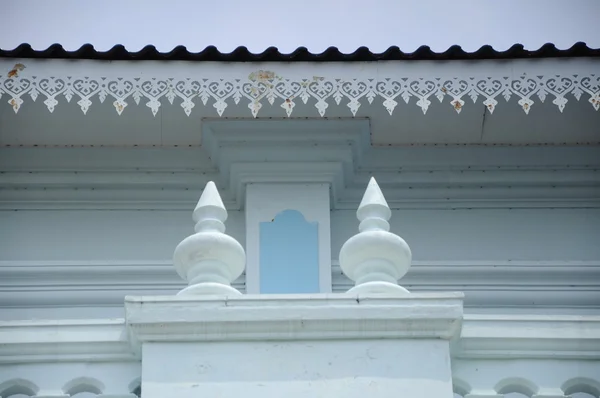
(293, 317)
(61, 341)
(529, 337)
(302, 317)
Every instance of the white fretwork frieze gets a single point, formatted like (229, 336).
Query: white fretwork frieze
(221, 85)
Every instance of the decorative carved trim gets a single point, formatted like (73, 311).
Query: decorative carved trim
(255, 85)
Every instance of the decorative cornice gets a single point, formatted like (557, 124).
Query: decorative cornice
(493, 337)
(243, 174)
(277, 151)
(293, 317)
(335, 151)
(406, 187)
(529, 336)
(250, 87)
(344, 140)
(61, 341)
(515, 284)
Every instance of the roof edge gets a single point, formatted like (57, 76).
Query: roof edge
(301, 54)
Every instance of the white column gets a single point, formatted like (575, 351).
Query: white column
(264, 201)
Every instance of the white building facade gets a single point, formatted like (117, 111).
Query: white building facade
(184, 225)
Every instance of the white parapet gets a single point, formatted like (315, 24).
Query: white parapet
(209, 260)
(375, 258)
(296, 346)
(272, 344)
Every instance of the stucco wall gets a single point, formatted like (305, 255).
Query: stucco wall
(481, 234)
(66, 211)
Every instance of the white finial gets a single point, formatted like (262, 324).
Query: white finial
(374, 258)
(210, 212)
(209, 260)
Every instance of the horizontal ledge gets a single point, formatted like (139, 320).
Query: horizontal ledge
(529, 336)
(483, 337)
(489, 177)
(467, 272)
(296, 300)
(293, 317)
(73, 202)
(60, 341)
(485, 283)
(139, 268)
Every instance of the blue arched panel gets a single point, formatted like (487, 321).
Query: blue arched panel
(289, 254)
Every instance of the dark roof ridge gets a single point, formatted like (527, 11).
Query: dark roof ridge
(300, 54)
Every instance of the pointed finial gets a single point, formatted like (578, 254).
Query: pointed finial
(373, 211)
(210, 213)
(375, 258)
(209, 260)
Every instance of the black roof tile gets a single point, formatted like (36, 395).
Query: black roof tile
(301, 54)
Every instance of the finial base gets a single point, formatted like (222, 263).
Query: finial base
(379, 288)
(209, 288)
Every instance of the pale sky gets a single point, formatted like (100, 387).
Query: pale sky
(288, 24)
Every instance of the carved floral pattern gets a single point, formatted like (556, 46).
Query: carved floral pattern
(262, 86)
